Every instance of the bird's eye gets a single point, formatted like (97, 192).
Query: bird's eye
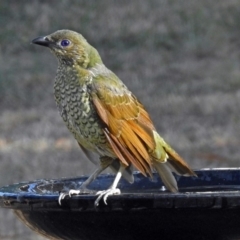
(65, 43)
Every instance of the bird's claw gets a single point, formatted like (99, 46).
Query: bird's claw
(104, 195)
(62, 195)
(69, 193)
(72, 192)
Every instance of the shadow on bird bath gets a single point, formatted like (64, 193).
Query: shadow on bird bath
(207, 207)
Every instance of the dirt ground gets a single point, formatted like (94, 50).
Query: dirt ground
(180, 58)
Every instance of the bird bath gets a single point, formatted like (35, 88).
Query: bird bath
(207, 207)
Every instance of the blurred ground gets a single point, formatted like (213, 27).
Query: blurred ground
(181, 58)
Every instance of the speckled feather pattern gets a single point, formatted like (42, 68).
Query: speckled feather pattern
(77, 110)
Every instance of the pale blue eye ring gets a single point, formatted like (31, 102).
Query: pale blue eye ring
(65, 43)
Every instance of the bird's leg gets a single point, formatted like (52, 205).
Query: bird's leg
(105, 162)
(113, 190)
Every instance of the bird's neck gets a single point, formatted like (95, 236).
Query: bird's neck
(72, 75)
(94, 58)
(84, 59)
(74, 72)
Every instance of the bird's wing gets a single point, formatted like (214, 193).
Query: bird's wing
(129, 129)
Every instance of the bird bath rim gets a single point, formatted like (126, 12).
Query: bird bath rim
(43, 194)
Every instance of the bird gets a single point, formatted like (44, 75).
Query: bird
(106, 118)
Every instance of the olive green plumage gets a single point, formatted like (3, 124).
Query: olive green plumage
(104, 116)
(76, 108)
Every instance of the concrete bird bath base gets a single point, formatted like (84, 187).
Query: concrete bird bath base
(207, 207)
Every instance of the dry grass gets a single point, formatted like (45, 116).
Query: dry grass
(181, 58)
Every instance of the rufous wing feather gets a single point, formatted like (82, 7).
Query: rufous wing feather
(127, 125)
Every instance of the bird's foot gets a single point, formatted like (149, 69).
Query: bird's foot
(104, 195)
(72, 192)
(69, 193)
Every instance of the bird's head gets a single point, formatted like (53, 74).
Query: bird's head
(70, 48)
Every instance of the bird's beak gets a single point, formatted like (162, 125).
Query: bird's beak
(43, 41)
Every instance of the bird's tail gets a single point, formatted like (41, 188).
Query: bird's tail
(166, 160)
(166, 175)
